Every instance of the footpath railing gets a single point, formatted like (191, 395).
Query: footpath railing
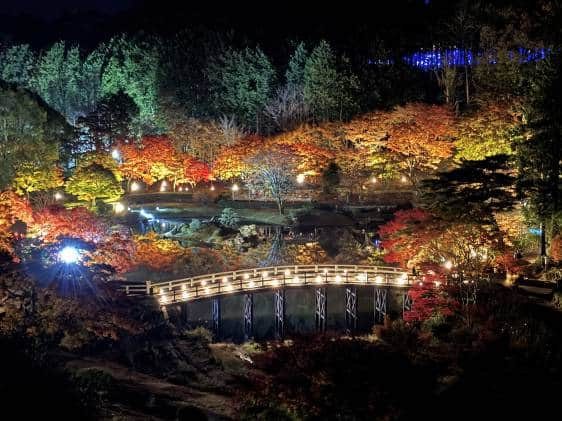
(274, 277)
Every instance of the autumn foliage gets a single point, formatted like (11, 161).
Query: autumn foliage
(55, 222)
(12, 208)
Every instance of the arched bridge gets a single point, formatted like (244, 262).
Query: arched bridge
(282, 279)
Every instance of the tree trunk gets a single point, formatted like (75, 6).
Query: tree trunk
(280, 206)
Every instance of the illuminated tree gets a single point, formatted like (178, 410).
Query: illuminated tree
(93, 181)
(31, 178)
(12, 208)
(241, 84)
(327, 91)
(272, 171)
(489, 131)
(16, 64)
(116, 251)
(194, 171)
(231, 161)
(132, 68)
(55, 222)
(418, 139)
(28, 133)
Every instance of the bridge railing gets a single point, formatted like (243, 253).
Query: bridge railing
(274, 277)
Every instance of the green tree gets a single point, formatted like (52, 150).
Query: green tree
(540, 154)
(93, 181)
(241, 84)
(132, 68)
(473, 192)
(28, 133)
(295, 70)
(17, 64)
(328, 92)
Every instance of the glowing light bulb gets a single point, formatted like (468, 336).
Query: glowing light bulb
(300, 178)
(318, 279)
(135, 186)
(235, 187)
(59, 196)
(338, 279)
(378, 279)
(212, 188)
(185, 295)
(296, 279)
(246, 276)
(115, 154)
(251, 284)
(448, 265)
(287, 272)
(120, 207)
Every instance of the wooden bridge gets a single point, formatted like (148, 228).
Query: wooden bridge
(280, 279)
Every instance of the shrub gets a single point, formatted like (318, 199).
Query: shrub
(229, 218)
(195, 225)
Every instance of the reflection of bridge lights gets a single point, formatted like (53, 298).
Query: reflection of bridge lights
(378, 279)
(185, 295)
(207, 290)
(318, 279)
(287, 272)
(246, 276)
(338, 279)
(251, 284)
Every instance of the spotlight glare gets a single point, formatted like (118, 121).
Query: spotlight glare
(69, 255)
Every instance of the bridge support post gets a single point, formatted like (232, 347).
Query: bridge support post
(216, 302)
(248, 316)
(320, 314)
(380, 305)
(350, 309)
(279, 310)
(406, 303)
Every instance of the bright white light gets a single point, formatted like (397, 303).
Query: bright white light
(207, 290)
(251, 284)
(437, 284)
(374, 180)
(300, 178)
(296, 279)
(146, 215)
(318, 279)
(403, 278)
(275, 282)
(264, 274)
(120, 207)
(185, 295)
(403, 179)
(235, 187)
(203, 282)
(287, 272)
(225, 280)
(69, 255)
(378, 279)
(115, 154)
(338, 279)
(163, 299)
(448, 265)
(246, 276)
(212, 188)
(135, 186)
(162, 187)
(59, 196)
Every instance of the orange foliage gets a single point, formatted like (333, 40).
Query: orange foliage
(194, 171)
(12, 209)
(156, 253)
(231, 161)
(116, 251)
(556, 248)
(54, 222)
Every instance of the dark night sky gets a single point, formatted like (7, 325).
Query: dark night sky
(52, 9)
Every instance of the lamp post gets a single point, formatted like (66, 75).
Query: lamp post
(234, 189)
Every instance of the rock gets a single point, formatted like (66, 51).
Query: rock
(248, 230)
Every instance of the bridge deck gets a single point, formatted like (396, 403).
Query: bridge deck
(271, 278)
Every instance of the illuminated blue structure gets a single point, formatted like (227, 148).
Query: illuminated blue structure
(436, 58)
